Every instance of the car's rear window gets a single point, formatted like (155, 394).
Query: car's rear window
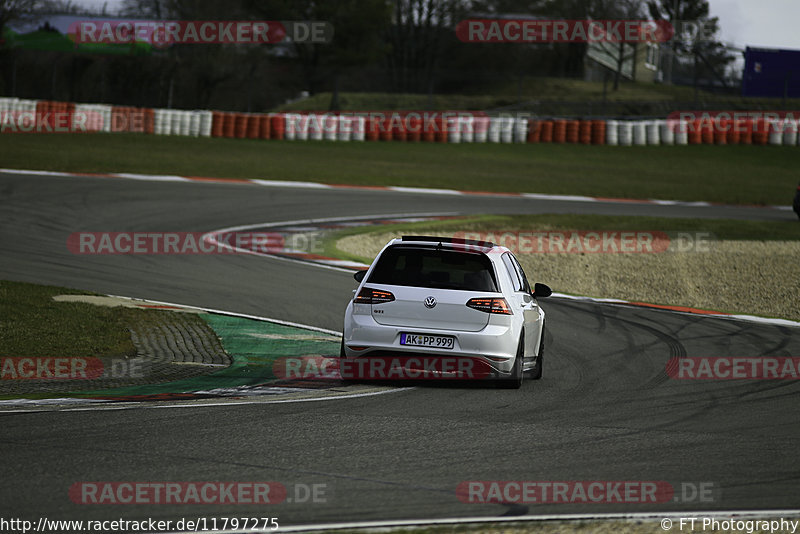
(434, 268)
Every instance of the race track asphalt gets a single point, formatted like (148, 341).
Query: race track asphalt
(604, 411)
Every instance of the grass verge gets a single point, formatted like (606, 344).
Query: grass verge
(543, 91)
(32, 324)
(726, 174)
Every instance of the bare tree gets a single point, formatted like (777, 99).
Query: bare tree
(148, 9)
(416, 38)
(18, 10)
(695, 44)
(621, 51)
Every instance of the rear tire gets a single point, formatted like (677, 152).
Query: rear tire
(536, 372)
(515, 380)
(341, 359)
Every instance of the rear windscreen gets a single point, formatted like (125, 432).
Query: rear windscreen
(434, 268)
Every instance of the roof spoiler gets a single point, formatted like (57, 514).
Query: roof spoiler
(451, 240)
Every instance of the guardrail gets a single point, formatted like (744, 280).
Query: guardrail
(43, 116)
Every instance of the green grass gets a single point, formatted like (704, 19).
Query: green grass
(32, 324)
(535, 90)
(721, 229)
(405, 101)
(727, 174)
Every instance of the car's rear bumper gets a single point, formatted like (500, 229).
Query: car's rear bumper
(492, 348)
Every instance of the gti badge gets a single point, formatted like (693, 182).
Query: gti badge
(430, 302)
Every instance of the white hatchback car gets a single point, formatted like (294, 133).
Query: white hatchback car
(436, 307)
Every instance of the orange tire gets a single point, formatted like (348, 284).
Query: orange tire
(559, 131)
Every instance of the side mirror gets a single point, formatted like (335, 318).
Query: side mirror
(541, 291)
(359, 276)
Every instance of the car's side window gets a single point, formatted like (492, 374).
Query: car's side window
(512, 271)
(526, 287)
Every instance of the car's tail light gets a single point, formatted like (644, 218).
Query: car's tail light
(373, 296)
(490, 305)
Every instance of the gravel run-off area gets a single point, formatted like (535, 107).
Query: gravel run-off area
(744, 277)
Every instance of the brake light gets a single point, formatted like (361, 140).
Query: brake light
(490, 305)
(373, 296)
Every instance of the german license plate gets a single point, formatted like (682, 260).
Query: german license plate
(427, 340)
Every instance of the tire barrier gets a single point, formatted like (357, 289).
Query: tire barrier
(467, 126)
(625, 133)
(760, 133)
(790, 133)
(639, 133)
(263, 126)
(534, 131)
(695, 133)
(560, 131)
(667, 131)
(612, 132)
(585, 132)
(45, 116)
(653, 132)
(547, 132)
(480, 128)
(572, 133)
(599, 129)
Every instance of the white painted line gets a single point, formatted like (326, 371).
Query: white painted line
(570, 198)
(131, 405)
(284, 401)
(590, 299)
(400, 189)
(233, 314)
(332, 263)
(29, 172)
(635, 516)
(291, 183)
(344, 263)
(424, 190)
(151, 177)
(24, 402)
(739, 317)
(332, 219)
(763, 320)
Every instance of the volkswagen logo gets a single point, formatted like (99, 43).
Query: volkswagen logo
(430, 302)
